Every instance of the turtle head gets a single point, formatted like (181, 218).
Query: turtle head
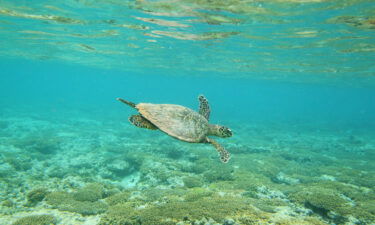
(220, 131)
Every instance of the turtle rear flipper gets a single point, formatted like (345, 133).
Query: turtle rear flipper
(224, 154)
(204, 107)
(140, 121)
(131, 104)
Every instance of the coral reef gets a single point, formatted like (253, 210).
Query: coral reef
(36, 220)
(7, 203)
(85, 201)
(191, 182)
(216, 208)
(43, 143)
(104, 179)
(36, 195)
(118, 198)
(219, 173)
(336, 202)
(195, 194)
(64, 201)
(91, 193)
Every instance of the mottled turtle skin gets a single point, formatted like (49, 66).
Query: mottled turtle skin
(181, 122)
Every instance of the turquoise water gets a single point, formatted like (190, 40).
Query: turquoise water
(294, 81)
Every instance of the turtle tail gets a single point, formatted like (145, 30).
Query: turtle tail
(131, 104)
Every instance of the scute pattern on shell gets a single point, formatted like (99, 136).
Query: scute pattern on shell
(175, 120)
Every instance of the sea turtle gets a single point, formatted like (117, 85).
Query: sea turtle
(181, 122)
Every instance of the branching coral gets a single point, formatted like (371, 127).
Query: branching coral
(85, 201)
(217, 208)
(36, 220)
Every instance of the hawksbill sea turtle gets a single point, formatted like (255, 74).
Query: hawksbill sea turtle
(181, 122)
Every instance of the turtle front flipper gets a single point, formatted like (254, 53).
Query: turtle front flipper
(224, 154)
(204, 107)
(140, 121)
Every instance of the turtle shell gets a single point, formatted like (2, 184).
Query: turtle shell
(175, 120)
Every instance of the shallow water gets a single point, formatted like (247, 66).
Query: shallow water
(294, 80)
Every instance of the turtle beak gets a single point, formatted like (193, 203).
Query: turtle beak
(227, 132)
(230, 133)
